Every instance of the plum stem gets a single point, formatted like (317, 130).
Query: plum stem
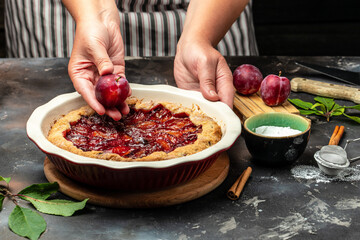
(279, 73)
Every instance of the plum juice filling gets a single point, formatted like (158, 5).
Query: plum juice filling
(136, 135)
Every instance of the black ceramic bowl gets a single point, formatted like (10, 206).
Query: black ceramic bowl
(276, 150)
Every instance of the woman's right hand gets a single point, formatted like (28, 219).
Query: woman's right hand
(98, 50)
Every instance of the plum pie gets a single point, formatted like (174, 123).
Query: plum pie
(152, 131)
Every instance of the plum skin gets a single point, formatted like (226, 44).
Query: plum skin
(247, 79)
(111, 90)
(274, 90)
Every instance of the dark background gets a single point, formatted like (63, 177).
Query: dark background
(295, 27)
(308, 27)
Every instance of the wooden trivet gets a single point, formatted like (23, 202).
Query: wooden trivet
(201, 185)
(247, 106)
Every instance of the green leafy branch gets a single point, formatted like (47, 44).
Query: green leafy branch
(325, 107)
(28, 223)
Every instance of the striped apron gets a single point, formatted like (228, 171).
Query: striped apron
(44, 28)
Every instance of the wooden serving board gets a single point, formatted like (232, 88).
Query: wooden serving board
(247, 106)
(201, 185)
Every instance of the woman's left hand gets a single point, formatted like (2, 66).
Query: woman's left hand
(199, 66)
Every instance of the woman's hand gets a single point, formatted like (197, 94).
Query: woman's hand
(98, 50)
(198, 66)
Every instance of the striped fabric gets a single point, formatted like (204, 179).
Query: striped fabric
(44, 28)
(37, 28)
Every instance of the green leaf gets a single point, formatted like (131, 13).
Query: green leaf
(318, 105)
(357, 107)
(40, 191)
(26, 223)
(328, 102)
(7, 180)
(337, 111)
(300, 103)
(323, 108)
(2, 197)
(307, 112)
(337, 106)
(356, 119)
(61, 207)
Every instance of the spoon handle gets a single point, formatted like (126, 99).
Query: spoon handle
(347, 143)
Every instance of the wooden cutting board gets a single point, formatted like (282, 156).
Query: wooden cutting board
(247, 106)
(201, 185)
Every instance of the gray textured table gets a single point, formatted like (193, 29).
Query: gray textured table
(277, 203)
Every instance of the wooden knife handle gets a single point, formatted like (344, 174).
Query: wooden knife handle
(326, 89)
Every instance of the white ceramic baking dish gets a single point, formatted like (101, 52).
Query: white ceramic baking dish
(133, 176)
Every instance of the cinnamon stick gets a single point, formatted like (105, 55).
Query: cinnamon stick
(235, 190)
(334, 134)
(337, 135)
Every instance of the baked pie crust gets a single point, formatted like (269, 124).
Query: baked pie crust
(209, 135)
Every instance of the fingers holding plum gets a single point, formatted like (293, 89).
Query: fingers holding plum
(111, 91)
(86, 89)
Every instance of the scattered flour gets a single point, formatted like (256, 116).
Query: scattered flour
(228, 225)
(348, 204)
(315, 214)
(274, 131)
(313, 173)
(289, 227)
(3, 116)
(255, 203)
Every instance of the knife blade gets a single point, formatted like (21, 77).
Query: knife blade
(348, 77)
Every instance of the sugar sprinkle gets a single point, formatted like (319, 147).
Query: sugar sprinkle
(350, 174)
(274, 131)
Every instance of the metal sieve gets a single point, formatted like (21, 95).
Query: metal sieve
(332, 159)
